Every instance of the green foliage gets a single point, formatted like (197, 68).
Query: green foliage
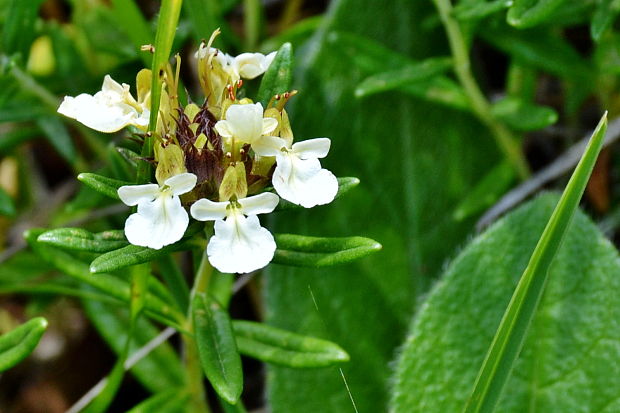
(79, 239)
(217, 348)
(102, 184)
(18, 343)
(523, 116)
(284, 348)
(277, 79)
(563, 364)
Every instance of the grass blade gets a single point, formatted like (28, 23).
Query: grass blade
(513, 327)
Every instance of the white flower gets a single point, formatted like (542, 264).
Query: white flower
(161, 219)
(245, 123)
(246, 65)
(298, 176)
(109, 110)
(240, 244)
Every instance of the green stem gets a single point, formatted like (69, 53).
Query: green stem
(251, 20)
(480, 105)
(195, 374)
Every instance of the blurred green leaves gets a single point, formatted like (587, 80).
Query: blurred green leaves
(18, 343)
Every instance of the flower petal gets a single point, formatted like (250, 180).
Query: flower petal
(207, 210)
(158, 223)
(223, 127)
(133, 194)
(245, 122)
(304, 182)
(251, 65)
(269, 125)
(268, 59)
(181, 183)
(268, 146)
(240, 245)
(97, 114)
(259, 204)
(312, 148)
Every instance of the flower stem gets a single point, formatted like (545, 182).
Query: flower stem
(480, 105)
(195, 375)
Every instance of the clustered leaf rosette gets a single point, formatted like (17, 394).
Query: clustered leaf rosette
(218, 159)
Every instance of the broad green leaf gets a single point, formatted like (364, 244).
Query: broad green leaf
(19, 26)
(134, 254)
(603, 17)
(568, 362)
(541, 49)
(169, 401)
(217, 348)
(416, 160)
(396, 78)
(18, 343)
(79, 239)
(373, 58)
(161, 369)
(273, 345)
(490, 188)
(514, 326)
(344, 186)
(529, 13)
(7, 207)
(523, 116)
(102, 184)
(277, 79)
(304, 251)
(479, 9)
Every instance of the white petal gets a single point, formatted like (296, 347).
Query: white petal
(268, 59)
(312, 148)
(142, 121)
(269, 125)
(251, 65)
(223, 127)
(268, 145)
(133, 194)
(111, 87)
(157, 223)
(240, 245)
(207, 210)
(97, 113)
(181, 183)
(304, 182)
(245, 122)
(259, 204)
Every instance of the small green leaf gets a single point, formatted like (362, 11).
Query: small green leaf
(106, 186)
(79, 239)
(277, 346)
(217, 348)
(603, 17)
(529, 13)
(134, 254)
(515, 323)
(18, 343)
(490, 188)
(417, 72)
(277, 79)
(303, 251)
(170, 401)
(479, 9)
(344, 186)
(523, 116)
(7, 207)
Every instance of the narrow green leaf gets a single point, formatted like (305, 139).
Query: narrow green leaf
(511, 332)
(303, 251)
(19, 26)
(170, 401)
(490, 188)
(102, 184)
(18, 343)
(396, 78)
(344, 186)
(296, 35)
(112, 384)
(79, 239)
(207, 15)
(130, 19)
(7, 207)
(603, 17)
(277, 346)
(175, 280)
(217, 348)
(57, 134)
(277, 79)
(523, 116)
(134, 254)
(479, 9)
(529, 13)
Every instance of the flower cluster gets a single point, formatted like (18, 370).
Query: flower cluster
(219, 158)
